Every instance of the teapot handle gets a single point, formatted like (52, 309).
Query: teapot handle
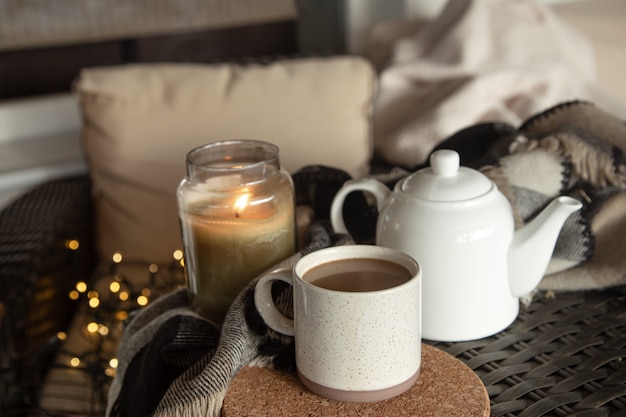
(377, 188)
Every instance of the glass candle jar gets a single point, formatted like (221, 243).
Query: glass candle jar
(237, 213)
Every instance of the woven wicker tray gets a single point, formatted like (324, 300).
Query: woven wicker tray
(565, 355)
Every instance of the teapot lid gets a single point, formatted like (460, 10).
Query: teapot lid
(446, 180)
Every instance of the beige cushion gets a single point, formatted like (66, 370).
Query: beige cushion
(141, 120)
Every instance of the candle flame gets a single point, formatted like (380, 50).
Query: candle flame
(241, 203)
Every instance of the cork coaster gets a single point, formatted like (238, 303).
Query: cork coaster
(446, 386)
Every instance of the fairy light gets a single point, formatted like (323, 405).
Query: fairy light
(111, 304)
(121, 315)
(117, 257)
(94, 300)
(92, 327)
(107, 299)
(72, 244)
(110, 371)
(81, 286)
(115, 286)
(103, 330)
(180, 257)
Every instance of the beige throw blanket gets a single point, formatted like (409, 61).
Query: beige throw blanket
(479, 60)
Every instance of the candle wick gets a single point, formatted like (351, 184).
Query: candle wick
(237, 214)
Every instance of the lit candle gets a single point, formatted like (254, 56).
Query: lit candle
(235, 226)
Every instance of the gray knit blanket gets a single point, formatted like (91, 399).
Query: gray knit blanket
(172, 362)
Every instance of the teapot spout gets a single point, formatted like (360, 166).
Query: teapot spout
(533, 245)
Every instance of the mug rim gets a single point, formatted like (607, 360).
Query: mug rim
(359, 251)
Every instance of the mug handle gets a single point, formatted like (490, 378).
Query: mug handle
(377, 188)
(264, 302)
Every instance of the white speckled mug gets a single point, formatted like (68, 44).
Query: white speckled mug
(358, 339)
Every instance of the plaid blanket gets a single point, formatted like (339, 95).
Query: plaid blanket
(574, 149)
(173, 362)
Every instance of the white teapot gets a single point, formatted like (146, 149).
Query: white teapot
(456, 223)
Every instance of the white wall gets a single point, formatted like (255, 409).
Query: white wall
(39, 141)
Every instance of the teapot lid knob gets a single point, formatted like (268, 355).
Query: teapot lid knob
(446, 180)
(445, 163)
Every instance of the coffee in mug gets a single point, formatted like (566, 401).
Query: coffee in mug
(358, 275)
(357, 320)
